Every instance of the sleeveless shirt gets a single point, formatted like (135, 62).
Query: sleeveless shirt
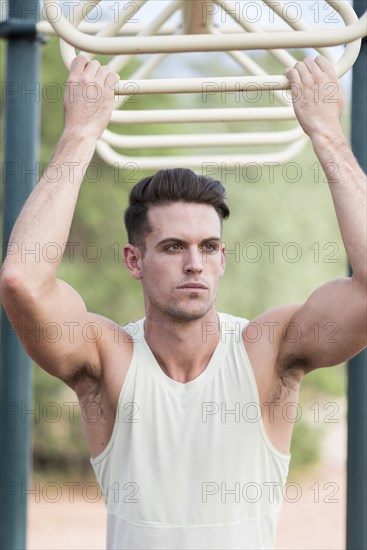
(189, 465)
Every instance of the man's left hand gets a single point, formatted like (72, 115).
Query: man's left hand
(316, 95)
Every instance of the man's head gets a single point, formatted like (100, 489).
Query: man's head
(174, 225)
(169, 186)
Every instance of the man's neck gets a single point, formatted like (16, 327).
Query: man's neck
(182, 350)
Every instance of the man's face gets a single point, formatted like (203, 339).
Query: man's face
(183, 261)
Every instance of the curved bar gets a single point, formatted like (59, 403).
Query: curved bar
(117, 63)
(120, 61)
(198, 43)
(201, 140)
(68, 53)
(352, 48)
(155, 163)
(350, 55)
(65, 49)
(158, 116)
(111, 28)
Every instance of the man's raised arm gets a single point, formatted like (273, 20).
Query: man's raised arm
(31, 294)
(337, 310)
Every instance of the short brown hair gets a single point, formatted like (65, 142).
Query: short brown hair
(173, 185)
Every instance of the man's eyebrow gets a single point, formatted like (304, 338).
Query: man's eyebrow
(217, 239)
(180, 241)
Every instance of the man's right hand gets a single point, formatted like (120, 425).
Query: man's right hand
(89, 98)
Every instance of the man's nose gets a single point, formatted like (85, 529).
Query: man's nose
(193, 261)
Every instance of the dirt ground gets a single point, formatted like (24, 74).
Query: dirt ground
(312, 518)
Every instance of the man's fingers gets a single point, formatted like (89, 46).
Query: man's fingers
(305, 75)
(78, 65)
(92, 68)
(312, 67)
(107, 77)
(304, 72)
(102, 73)
(112, 79)
(325, 66)
(293, 76)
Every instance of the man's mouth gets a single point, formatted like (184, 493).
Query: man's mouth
(195, 286)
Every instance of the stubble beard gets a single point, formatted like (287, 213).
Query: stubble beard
(184, 313)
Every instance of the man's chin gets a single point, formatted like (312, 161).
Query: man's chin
(189, 313)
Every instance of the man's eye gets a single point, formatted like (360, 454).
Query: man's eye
(210, 247)
(174, 247)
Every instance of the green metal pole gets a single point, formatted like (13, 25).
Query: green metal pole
(357, 369)
(22, 99)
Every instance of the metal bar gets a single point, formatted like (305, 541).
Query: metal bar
(198, 161)
(252, 67)
(195, 19)
(198, 43)
(201, 140)
(16, 28)
(357, 367)
(231, 8)
(226, 84)
(20, 156)
(158, 116)
(196, 85)
(152, 28)
(111, 28)
(283, 11)
(130, 29)
(118, 62)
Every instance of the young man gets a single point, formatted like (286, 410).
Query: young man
(177, 469)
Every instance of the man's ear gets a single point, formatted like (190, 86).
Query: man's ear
(223, 258)
(133, 260)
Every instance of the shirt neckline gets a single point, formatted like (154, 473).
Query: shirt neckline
(185, 388)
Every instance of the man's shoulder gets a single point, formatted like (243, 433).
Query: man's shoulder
(231, 320)
(269, 325)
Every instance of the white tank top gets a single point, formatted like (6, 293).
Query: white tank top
(190, 466)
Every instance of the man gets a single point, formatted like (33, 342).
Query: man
(177, 471)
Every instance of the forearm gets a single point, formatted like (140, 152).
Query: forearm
(319, 116)
(44, 223)
(47, 215)
(347, 183)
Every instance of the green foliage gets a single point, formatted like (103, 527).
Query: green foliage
(325, 382)
(59, 444)
(306, 449)
(280, 210)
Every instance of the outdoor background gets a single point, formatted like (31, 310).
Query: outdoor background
(294, 212)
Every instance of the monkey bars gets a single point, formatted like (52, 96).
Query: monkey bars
(199, 33)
